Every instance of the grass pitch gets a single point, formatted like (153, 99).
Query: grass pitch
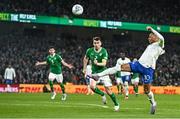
(39, 105)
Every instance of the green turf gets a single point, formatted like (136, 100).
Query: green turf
(39, 105)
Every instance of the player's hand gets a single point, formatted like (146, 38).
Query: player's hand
(149, 28)
(37, 63)
(95, 62)
(70, 66)
(84, 71)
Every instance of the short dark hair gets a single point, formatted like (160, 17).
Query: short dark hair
(51, 47)
(97, 38)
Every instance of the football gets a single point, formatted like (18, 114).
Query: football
(77, 9)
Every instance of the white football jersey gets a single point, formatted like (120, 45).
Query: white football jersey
(9, 73)
(152, 52)
(125, 61)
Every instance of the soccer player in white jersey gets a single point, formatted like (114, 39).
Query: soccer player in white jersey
(145, 65)
(9, 75)
(125, 76)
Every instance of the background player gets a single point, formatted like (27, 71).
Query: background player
(125, 76)
(9, 75)
(55, 61)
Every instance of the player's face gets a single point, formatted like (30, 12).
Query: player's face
(51, 51)
(152, 38)
(122, 55)
(97, 44)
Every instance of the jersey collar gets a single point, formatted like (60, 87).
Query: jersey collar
(53, 55)
(98, 50)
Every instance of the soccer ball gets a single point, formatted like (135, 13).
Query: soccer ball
(77, 9)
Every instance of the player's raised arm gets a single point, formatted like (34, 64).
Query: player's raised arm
(158, 35)
(40, 63)
(155, 32)
(67, 65)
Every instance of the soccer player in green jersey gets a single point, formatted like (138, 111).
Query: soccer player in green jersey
(135, 80)
(98, 57)
(55, 62)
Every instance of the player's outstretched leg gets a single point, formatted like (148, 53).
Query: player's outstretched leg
(108, 71)
(52, 90)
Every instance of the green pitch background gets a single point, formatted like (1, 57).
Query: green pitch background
(39, 105)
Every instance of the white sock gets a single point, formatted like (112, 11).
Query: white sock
(151, 97)
(109, 71)
(126, 87)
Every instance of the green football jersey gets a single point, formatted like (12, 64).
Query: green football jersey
(55, 63)
(92, 55)
(135, 75)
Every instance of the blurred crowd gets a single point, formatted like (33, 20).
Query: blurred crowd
(23, 51)
(145, 11)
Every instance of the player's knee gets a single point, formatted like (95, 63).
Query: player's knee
(108, 90)
(92, 87)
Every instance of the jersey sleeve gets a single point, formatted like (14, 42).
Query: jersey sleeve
(129, 60)
(47, 60)
(118, 61)
(59, 58)
(161, 38)
(88, 53)
(5, 74)
(105, 55)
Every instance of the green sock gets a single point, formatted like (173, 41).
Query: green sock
(136, 89)
(62, 87)
(96, 90)
(51, 86)
(113, 97)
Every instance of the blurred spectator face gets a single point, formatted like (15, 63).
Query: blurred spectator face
(152, 38)
(97, 43)
(9, 66)
(51, 51)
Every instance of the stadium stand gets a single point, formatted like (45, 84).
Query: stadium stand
(143, 11)
(23, 50)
